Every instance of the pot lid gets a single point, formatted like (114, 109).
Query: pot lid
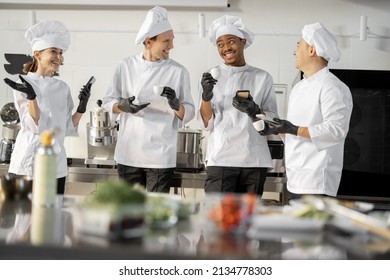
(9, 114)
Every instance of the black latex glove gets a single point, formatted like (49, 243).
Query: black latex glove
(23, 87)
(247, 105)
(207, 83)
(268, 130)
(85, 93)
(170, 94)
(285, 126)
(126, 105)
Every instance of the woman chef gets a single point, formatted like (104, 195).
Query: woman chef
(148, 123)
(44, 102)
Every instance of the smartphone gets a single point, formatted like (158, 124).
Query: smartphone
(90, 82)
(242, 93)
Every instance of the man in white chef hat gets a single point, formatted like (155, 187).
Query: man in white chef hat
(231, 95)
(319, 111)
(45, 102)
(149, 120)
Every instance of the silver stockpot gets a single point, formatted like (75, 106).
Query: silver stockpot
(188, 140)
(99, 118)
(10, 131)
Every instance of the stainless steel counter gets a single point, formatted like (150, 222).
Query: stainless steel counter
(82, 180)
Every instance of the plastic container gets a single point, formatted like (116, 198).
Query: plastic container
(45, 168)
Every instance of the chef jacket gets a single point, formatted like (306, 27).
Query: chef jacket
(323, 104)
(55, 103)
(148, 138)
(232, 139)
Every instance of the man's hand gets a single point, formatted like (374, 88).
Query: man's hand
(126, 105)
(285, 126)
(24, 87)
(207, 83)
(247, 105)
(170, 94)
(85, 93)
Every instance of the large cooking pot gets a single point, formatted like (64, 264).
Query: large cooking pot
(188, 140)
(10, 131)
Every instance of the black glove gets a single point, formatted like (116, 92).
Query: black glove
(23, 87)
(208, 83)
(268, 130)
(126, 105)
(285, 126)
(170, 94)
(85, 93)
(247, 105)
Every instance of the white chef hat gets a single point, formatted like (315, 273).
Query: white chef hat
(48, 34)
(230, 25)
(156, 22)
(325, 43)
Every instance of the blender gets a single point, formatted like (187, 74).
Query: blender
(10, 117)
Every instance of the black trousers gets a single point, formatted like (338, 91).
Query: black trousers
(235, 179)
(154, 179)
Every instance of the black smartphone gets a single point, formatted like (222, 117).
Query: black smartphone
(242, 93)
(90, 82)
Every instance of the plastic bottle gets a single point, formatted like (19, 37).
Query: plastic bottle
(45, 181)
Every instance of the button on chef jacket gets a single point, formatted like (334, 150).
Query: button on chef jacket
(148, 138)
(233, 141)
(323, 104)
(56, 104)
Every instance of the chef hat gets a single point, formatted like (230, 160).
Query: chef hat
(230, 25)
(156, 22)
(325, 43)
(48, 34)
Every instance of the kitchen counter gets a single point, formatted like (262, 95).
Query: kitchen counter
(82, 180)
(57, 238)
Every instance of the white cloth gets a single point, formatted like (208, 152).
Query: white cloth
(230, 25)
(148, 138)
(325, 43)
(156, 22)
(232, 139)
(56, 105)
(48, 34)
(323, 104)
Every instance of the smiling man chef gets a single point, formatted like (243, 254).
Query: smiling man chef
(148, 123)
(237, 158)
(319, 111)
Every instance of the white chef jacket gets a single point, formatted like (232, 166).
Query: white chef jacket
(55, 102)
(148, 138)
(323, 104)
(232, 139)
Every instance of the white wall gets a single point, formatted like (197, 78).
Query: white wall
(101, 36)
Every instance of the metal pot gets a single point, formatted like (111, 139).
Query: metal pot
(100, 118)
(10, 131)
(188, 141)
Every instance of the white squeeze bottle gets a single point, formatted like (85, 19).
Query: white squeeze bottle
(45, 181)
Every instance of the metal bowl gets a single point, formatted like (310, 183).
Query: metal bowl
(15, 187)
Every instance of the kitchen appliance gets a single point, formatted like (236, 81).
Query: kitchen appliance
(276, 181)
(276, 148)
(101, 138)
(367, 146)
(189, 151)
(9, 115)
